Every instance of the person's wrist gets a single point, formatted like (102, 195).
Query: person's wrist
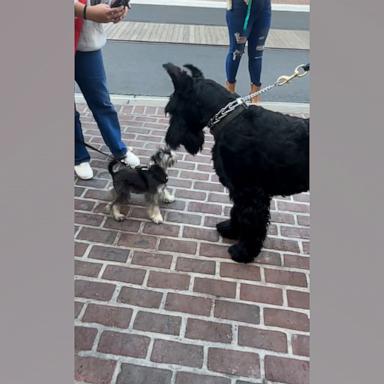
(85, 12)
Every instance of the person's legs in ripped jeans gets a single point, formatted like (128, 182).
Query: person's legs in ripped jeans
(90, 76)
(258, 34)
(237, 39)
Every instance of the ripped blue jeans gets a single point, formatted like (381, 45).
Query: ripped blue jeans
(256, 33)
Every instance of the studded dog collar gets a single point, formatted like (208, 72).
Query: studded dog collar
(226, 115)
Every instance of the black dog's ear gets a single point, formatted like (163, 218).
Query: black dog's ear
(180, 78)
(196, 73)
(174, 72)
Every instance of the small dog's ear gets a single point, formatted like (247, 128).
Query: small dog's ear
(196, 73)
(180, 79)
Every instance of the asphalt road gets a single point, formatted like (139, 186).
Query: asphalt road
(136, 69)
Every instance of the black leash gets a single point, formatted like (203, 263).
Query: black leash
(103, 153)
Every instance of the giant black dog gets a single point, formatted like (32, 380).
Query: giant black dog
(257, 155)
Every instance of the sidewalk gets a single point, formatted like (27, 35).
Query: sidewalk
(214, 35)
(217, 2)
(197, 34)
(164, 304)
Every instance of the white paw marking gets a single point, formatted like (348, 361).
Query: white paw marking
(155, 215)
(117, 215)
(167, 197)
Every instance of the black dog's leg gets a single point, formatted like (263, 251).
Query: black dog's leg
(253, 218)
(230, 228)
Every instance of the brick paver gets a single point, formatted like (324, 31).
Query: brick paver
(164, 304)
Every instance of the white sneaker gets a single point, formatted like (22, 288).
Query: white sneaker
(84, 171)
(131, 159)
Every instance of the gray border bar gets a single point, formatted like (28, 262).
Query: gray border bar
(347, 137)
(36, 195)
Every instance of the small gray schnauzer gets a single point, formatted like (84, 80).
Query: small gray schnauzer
(149, 180)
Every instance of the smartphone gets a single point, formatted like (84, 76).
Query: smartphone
(119, 3)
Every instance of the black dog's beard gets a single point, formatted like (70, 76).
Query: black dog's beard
(192, 141)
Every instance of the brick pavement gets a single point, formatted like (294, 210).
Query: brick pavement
(164, 304)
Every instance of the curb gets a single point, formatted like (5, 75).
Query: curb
(218, 4)
(154, 101)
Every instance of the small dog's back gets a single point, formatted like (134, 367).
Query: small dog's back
(137, 180)
(128, 179)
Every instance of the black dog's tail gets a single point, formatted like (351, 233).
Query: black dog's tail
(111, 165)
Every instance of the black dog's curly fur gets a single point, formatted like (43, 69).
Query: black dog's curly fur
(258, 155)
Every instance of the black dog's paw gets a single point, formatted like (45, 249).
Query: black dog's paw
(225, 229)
(239, 253)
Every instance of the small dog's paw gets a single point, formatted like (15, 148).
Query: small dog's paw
(108, 208)
(225, 230)
(157, 219)
(119, 217)
(239, 254)
(167, 197)
(155, 215)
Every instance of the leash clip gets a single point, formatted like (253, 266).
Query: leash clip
(240, 101)
(299, 71)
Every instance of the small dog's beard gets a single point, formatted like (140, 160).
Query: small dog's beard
(167, 161)
(170, 162)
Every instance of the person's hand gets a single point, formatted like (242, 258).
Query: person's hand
(121, 16)
(103, 13)
(246, 2)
